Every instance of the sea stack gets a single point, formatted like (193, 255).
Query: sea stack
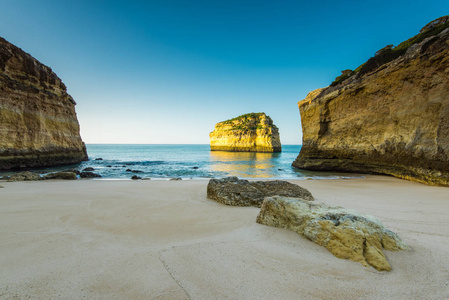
(389, 116)
(38, 124)
(253, 132)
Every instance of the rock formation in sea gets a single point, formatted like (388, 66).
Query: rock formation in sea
(253, 132)
(389, 116)
(345, 233)
(38, 124)
(240, 192)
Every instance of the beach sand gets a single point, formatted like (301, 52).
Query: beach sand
(106, 239)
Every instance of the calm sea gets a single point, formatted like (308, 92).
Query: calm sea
(190, 162)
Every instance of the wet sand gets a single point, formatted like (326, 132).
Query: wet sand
(105, 239)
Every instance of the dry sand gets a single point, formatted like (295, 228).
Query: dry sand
(165, 240)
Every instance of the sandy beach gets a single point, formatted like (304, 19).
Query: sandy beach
(106, 239)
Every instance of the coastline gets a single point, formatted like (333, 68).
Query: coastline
(165, 240)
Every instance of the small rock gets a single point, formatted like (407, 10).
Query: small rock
(146, 178)
(88, 169)
(99, 158)
(175, 178)
(108, 166)
(1, 186)
(77, 172)
(195, 168)
(25, 176)
(128, 170)
(137, 171)
(89, 175)
(280, 169)
(124, 166)
(135, 177)
(61, 175)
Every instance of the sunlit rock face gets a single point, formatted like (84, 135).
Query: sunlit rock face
(254, 132)
(389, 116)
(38, 124)
(345, 233)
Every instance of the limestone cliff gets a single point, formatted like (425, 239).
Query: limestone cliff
(389, 116)
(38, 124)
(254, 132)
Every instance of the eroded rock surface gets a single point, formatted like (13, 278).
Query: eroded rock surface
(239, 192)
(345, 233)
(254, 132)
(389, 116)
(38, 124)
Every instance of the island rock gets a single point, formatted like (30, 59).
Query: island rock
(345, 233)
(389, 116)
(254, 132)
(38, 121)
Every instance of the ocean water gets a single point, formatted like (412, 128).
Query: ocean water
(190, 162)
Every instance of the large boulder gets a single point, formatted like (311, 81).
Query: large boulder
(89, 175)
(239, 192)
(25, 176)
(345, 233)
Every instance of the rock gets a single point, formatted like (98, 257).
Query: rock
(124, 166)
(146, 178)
(389, 117)
(175, 178)
(89, 175)
(61, 175)
(38, 119)
(195, 168)
(345, 233)
(237, 192)
(254, 132)
(99, 158)
(137, 171)
(77, 172)
(88, 169)
(108, 166)
(128, 170)
(25, 176)
(135, 177)
(1, 186)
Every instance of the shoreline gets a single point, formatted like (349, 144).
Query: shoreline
(164, 239)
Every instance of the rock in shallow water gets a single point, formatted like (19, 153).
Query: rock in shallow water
(237, 192)
(89, 175)
(345, 233)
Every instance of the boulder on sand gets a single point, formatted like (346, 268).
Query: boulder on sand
(239, 192)
(345, 233)
(24, 176)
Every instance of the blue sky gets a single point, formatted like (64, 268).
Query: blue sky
(167, 71)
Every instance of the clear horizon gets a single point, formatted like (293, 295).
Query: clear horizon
(147, 72)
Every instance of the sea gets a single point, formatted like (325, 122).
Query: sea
(189, 162)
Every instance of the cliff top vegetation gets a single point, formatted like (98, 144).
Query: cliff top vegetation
(250, 121)
(390, 52)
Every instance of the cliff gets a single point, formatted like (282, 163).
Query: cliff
(389, 116)
(254, 132)
(38, 121)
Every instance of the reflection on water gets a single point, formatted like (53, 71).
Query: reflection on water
(245, 164)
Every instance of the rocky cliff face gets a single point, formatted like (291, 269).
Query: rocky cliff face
(389, 116)
(254, 132)
(38, 124)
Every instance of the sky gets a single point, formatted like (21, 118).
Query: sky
(165, 72)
